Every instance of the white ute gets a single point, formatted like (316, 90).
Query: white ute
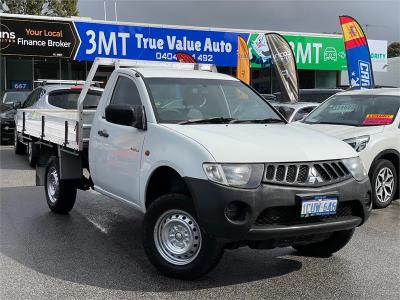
(210, 163)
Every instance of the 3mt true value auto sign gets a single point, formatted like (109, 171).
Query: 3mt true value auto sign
(155, 43)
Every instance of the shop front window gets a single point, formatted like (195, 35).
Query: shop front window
(73, 70)
(46, 68)
(18, 73)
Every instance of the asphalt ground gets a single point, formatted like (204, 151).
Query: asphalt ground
(95, 252)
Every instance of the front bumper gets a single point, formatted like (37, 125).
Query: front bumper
(273, 211)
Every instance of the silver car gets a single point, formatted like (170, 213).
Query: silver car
(295, 111)
(58, 95)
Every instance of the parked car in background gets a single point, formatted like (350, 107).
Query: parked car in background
(269, 97)
(312, 95)
(295, 111)
(15, 97)
(369, 121)
(55, 94)
(8, 108)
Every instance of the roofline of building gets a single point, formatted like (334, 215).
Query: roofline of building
(90, 20)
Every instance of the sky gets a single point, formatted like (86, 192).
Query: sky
(380, 18)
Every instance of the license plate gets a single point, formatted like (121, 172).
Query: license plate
(320, 205)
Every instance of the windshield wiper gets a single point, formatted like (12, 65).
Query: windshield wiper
(207, 120)
(332, 123)
(260, 121)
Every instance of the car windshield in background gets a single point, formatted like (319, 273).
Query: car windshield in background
(12, 97)
(68, 99)
(177, 100)
(309, 95)
(356, 110)
(286, 111)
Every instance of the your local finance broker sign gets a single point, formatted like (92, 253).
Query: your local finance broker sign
(155, 43)
(44, 38)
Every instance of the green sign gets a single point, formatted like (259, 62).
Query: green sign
(311, 52)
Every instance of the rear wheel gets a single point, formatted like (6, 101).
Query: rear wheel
(336, 241)
(33, 154)
(173, 240)
(384, 183)
(60, 194)
(19, 148)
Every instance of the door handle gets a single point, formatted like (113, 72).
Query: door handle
(103, 133)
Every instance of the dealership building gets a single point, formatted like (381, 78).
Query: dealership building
(33, 47)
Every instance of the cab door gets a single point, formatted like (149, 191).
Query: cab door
(117, 148)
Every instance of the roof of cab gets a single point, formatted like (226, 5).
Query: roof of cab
(377, 92)
(150, 72)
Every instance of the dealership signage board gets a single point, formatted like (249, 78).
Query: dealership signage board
(87, 40)
(311, 52)
(154, 43)
(378, 52)
(43, 38)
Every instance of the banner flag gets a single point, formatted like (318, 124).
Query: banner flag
(284, 64)
(184, 58)
(243, 62)
(359, 64)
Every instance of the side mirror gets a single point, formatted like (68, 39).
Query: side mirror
(16, 105)
(127, 115)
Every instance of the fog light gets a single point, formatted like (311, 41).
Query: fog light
(237, 211)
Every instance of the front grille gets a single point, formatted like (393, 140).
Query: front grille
(290, 215)
(306, 174)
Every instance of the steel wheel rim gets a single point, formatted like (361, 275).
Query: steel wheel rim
(177, 237)
(52, 185)
(384, 185)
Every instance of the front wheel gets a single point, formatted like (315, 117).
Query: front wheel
(60, 194)
(173, 240)
(336, 241)
(19, 148)
(33, 154)
(384, 183)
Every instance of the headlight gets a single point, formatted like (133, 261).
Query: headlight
(236, 175)
(358, 143)
(356, 168)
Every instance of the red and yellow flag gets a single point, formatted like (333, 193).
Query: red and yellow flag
(243, 62)
(353, 34)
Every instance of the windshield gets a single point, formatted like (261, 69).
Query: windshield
(68, 99)
(10, 97)
(356, 110)
(177, 100)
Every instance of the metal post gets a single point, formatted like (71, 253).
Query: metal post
(23, 122)
(66, 134)
(42, 136)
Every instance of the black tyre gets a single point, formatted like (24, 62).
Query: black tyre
(33, 154)
(174, 242)
(336, 241)
(384, 182)
(60, 194)
(19, 148)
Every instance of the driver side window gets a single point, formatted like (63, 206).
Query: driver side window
(125, 92)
